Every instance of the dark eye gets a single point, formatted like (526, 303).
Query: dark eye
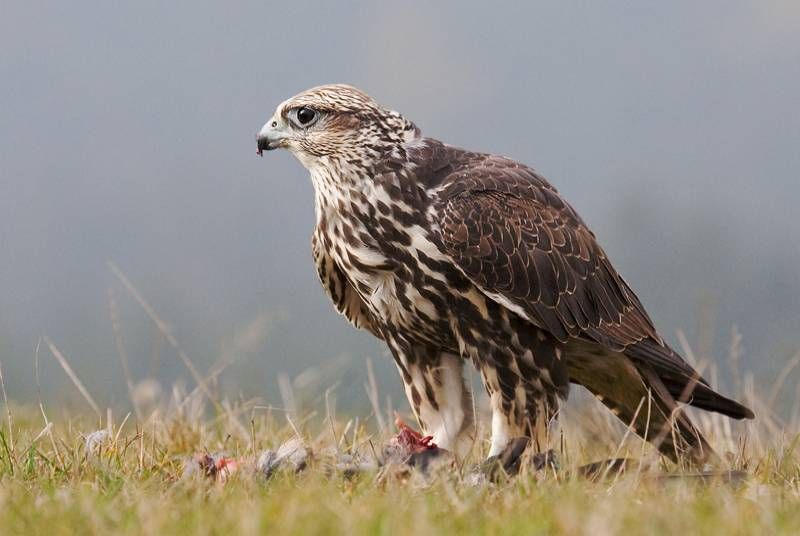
(306, 116)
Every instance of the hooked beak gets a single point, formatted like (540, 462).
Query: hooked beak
(268, 137)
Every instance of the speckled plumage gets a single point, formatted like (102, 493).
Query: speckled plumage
(452, 256)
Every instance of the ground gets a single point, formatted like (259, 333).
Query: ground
(140, 476)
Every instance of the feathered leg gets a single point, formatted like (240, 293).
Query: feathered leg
(524, 376)
(509, 402)
(435, 388)
(520, 407)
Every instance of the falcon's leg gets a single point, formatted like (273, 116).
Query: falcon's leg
(508, 400)
(435, 388)
(523, 399)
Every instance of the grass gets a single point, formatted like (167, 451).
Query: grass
(133, 480)
(59, 476)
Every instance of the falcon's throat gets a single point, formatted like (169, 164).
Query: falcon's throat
(347, 173)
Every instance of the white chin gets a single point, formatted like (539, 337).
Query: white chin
(309, 162)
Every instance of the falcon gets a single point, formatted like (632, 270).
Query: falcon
(449, 255)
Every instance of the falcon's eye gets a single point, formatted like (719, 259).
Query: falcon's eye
(305, 116)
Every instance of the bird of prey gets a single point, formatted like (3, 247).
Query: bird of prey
(450, 255)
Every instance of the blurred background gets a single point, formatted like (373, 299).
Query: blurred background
(127, 136)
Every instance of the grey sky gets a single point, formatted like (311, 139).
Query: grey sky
(127, 135)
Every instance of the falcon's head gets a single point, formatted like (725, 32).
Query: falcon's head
(335, 126)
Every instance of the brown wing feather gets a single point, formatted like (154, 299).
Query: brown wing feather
(516, 238)
(513, 235)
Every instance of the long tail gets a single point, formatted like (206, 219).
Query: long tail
(623, 381)
(682, 381)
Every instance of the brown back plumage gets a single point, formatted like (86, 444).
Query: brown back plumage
(517, 239)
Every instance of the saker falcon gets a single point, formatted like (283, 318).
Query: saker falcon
(450, 255)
